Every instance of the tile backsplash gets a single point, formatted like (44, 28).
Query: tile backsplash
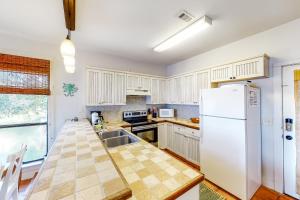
(114, 113)
(185, 111)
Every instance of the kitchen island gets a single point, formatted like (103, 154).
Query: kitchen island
(78, 166)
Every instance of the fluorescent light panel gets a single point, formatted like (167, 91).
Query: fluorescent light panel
(196, 27)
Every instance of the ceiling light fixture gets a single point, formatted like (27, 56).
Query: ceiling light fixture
(194, 28)
(67, 50)
(67, 47)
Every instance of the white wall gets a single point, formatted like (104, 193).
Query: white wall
(61, 107)
(281, 44)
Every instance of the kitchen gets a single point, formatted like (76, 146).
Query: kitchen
(259, 48)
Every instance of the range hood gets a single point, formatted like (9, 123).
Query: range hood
(138, 92)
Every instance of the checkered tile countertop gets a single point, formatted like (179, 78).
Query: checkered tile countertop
(152, 173)
(78, 167)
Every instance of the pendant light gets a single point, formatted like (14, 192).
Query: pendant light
(67, 50)
(67, 47)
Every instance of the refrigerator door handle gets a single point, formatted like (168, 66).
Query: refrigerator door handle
(201, 119)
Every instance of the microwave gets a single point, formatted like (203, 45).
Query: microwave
(166, 113)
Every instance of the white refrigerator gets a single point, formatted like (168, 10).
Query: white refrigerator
(230, 145)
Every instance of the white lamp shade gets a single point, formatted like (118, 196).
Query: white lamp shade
(67, 48)
(69, 60)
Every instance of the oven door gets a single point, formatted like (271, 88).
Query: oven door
(146, 132)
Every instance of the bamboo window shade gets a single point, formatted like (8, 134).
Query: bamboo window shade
(24, 75)
(297, 125)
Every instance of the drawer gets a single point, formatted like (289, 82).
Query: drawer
(178, 128)
(193, 132)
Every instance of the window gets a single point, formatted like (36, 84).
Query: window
(24, 86)
(23, 120)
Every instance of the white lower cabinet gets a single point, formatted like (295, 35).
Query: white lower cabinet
(181, 140)
(162, 135)
(169, 135)
(193, 148)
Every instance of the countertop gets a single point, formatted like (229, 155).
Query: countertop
(178, 121)
(152, 173)
(79, 167)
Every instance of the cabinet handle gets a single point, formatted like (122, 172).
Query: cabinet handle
(233, 77)
(230, 78)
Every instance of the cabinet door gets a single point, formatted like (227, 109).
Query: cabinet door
(180, 143)
(193, 149)
(145, 83)
(93, 87)
(180, 140)
(172, 97)
(248, 69)
(105, 88)
(162, 132)
(163, 91)
(178, 91)
(133, 81)
(222, 73)
(168, 92)
(188, 88)
(154, 91)
(169, 135)
(120, 89)
(202, 81)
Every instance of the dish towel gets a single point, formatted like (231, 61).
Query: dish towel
(297, 123)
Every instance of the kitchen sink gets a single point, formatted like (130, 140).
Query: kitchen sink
(112, 134)
(120, 140)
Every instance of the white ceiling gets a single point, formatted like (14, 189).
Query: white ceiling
(131, 28)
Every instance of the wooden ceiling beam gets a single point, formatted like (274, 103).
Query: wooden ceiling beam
(70, 9)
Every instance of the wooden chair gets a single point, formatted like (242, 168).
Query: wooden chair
(9, 183)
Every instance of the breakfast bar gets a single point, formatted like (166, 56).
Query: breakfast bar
(79, 166)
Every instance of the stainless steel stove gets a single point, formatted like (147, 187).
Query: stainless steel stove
(140, 125)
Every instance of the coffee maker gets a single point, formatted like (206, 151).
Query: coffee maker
(96, 117)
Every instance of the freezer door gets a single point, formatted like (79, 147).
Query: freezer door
(228, 102)
(223, 154)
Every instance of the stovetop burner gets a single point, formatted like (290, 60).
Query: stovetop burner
(141, 122)
(137, 118)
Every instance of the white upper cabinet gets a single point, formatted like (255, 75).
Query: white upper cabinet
(163, 91)
(222, 73)
(202, 81)
(154, 91)
(120, 83)
(105, 87)
(179, 90)
(253, 68)
(133, 81)
(100, 87)
(171, 92)
(93, 87)
(158, 91)
(145, 83)
(138, 85)
(188, 88)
